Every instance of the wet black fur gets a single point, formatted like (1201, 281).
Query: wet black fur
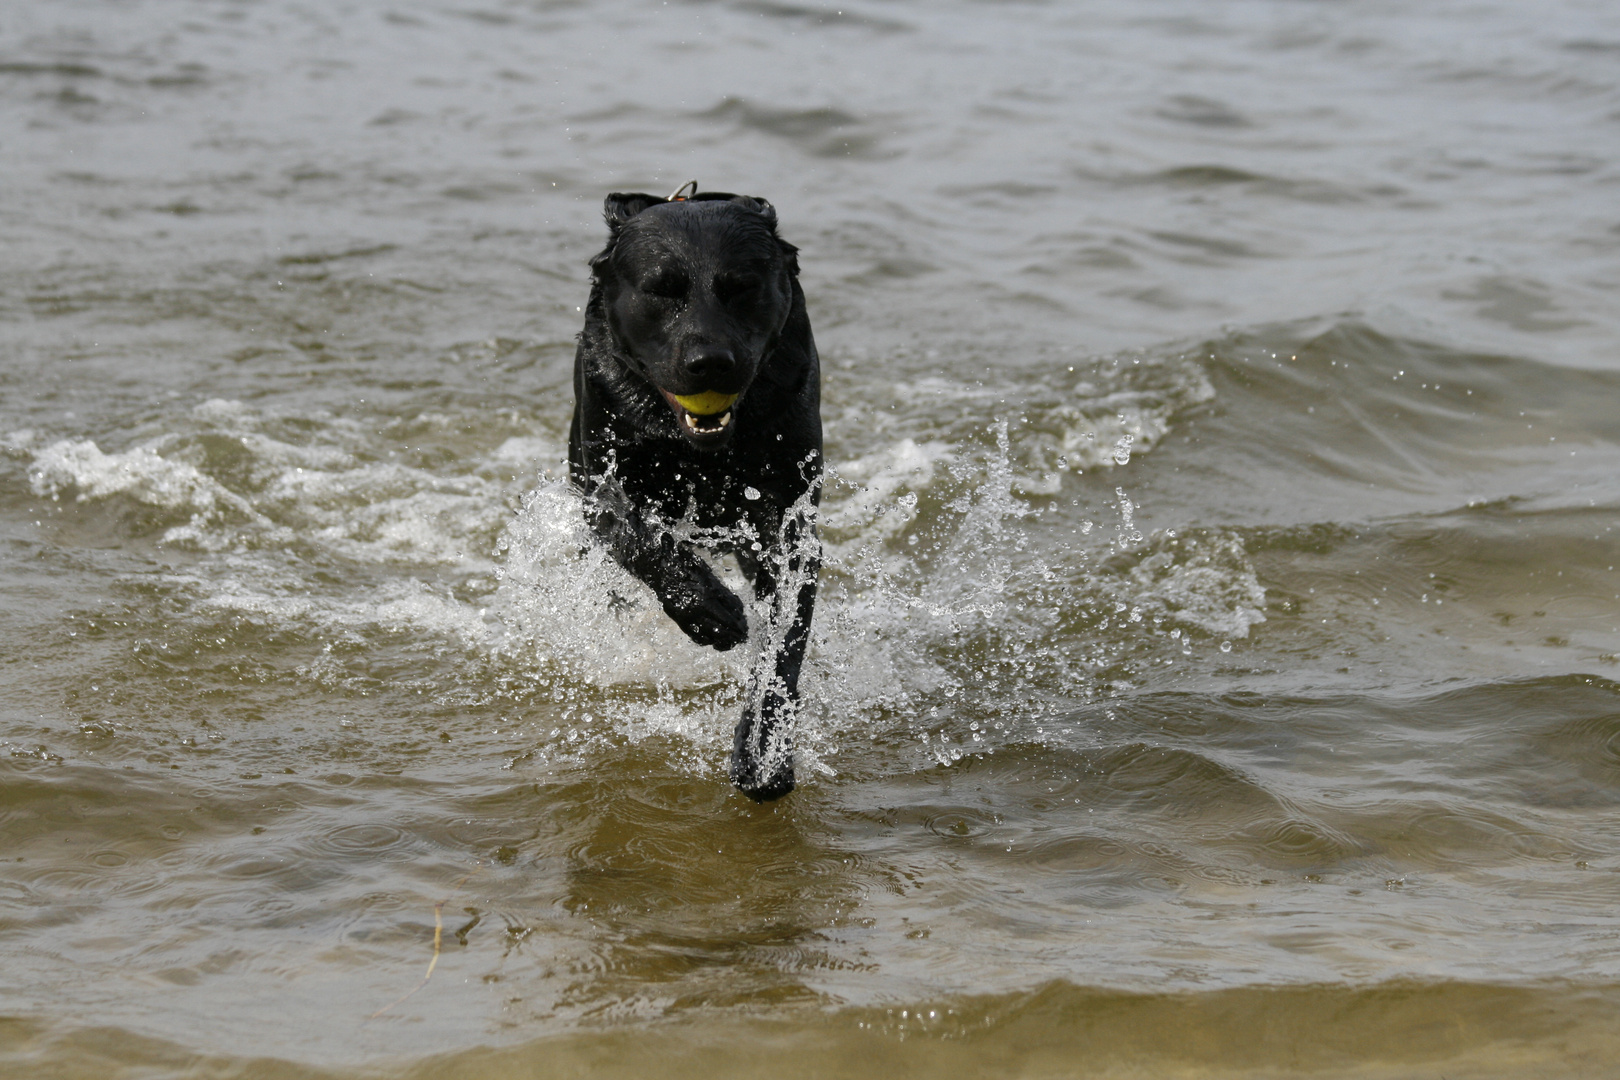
(692, 296)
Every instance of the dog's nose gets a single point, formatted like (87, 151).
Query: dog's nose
(707, 363)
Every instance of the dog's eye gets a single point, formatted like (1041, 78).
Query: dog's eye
(671, 286)
(735, 288)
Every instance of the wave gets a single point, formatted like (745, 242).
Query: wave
(1382, 1030)
(991, 559)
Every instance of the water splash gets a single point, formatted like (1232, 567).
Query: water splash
(944, 616)
(934, 614)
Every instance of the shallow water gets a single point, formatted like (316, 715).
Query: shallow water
(1215, 672)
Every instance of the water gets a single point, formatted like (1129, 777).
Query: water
(1216, 667)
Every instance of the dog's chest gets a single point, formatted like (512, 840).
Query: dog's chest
(716, 492)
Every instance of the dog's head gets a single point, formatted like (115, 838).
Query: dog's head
(695, 292)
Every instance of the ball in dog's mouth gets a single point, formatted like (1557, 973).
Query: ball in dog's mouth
(708, 413)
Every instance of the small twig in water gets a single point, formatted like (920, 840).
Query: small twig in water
(438, 938)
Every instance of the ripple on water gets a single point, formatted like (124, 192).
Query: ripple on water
(373, 839)
(822, 132)
(71, 883)
(959, 823)
(1592, 743)
(1299, 842)
(1071, 854)
(1454, 835)
(1177, 783)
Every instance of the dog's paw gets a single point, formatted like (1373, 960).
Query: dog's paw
(762, 765)
(709, 614)
(758, 784)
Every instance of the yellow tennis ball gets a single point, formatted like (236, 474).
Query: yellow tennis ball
(705, 404)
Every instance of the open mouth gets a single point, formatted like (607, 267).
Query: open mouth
(708, 413)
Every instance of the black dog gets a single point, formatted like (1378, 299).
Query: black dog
(697, 394)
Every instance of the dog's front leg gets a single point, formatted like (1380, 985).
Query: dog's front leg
(762, 752)
(708, 612)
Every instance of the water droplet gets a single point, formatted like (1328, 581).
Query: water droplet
(1122, 449)
(1226, 646)
(751, 493)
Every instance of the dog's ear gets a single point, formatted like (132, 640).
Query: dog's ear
(760, 206)
(621, 206)
(617, 209)
(763, 207)
(790, 256)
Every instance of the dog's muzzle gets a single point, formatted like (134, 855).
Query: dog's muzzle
(704, 414)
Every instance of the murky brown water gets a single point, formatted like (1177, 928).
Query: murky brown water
(1215, 671)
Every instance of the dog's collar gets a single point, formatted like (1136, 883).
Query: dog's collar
(684, 192)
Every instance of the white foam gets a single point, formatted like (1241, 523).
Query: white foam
(1104, 429)
(141, 473)
(322, 493)
(1202, 580)
(18, 442)
(863, 500)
